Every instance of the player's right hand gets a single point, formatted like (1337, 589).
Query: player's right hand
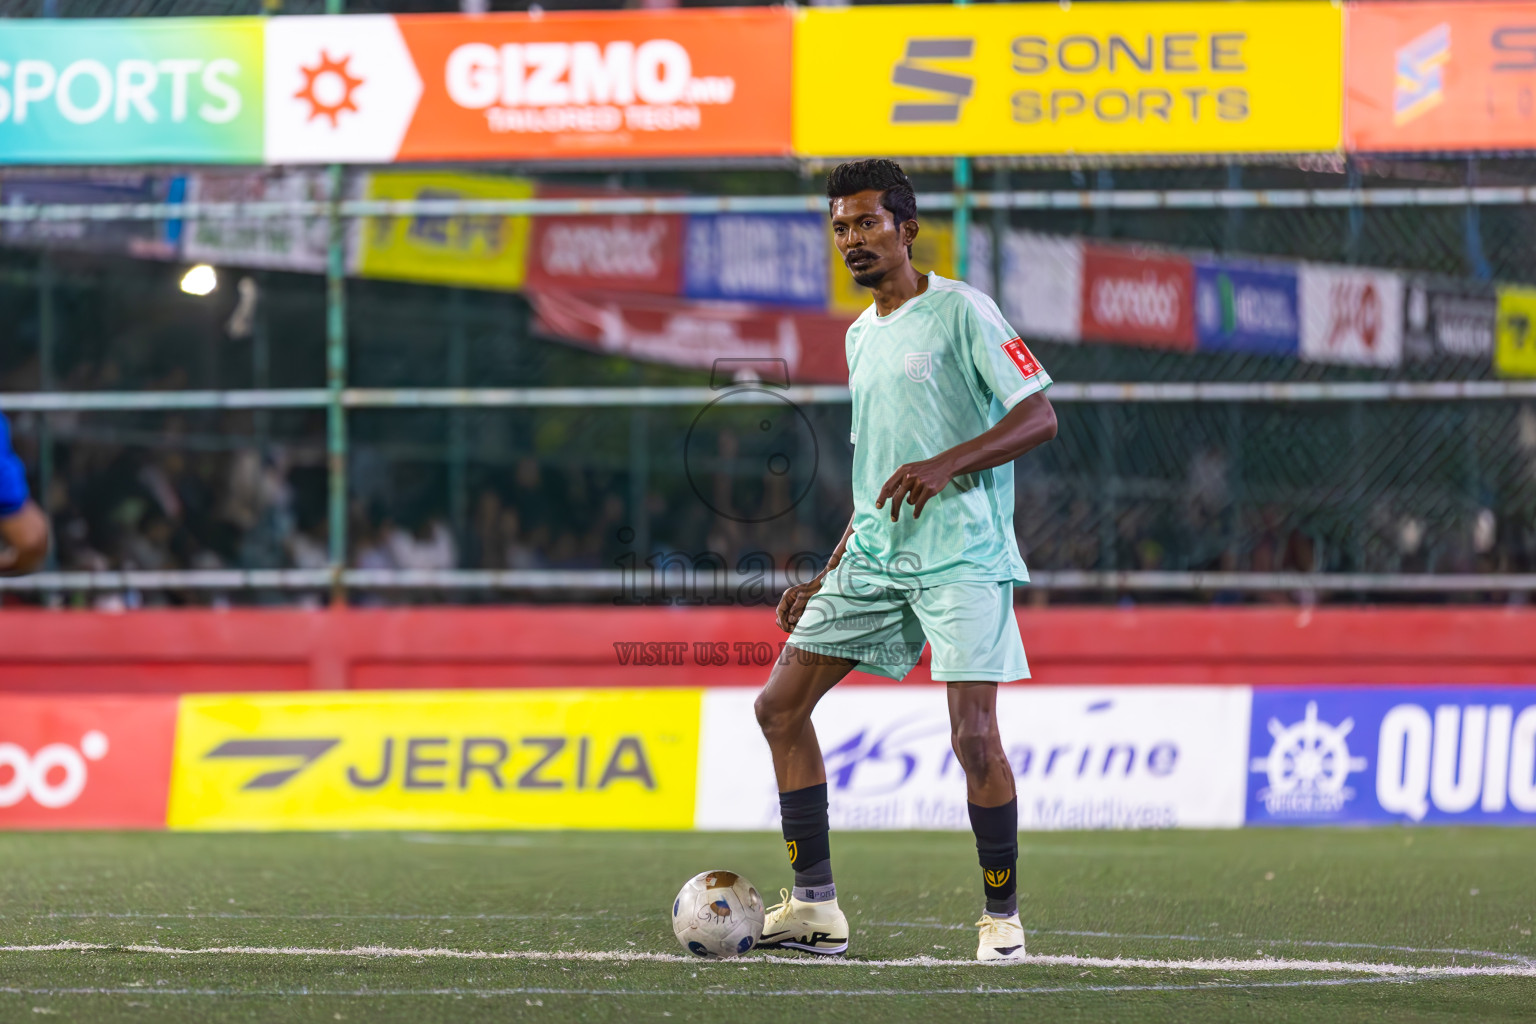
(792, 604)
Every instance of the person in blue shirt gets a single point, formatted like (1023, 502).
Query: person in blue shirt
(23, 526)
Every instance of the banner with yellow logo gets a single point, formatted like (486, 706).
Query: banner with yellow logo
(440, 760)
(1059, 79)
(1514, 349)
(476, 250)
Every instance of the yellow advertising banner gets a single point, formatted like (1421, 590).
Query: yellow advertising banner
(479, 759)
(1514, 347)
(1011, 79)
(934, 250)
(477, 251)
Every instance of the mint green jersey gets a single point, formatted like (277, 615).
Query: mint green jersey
(939, 370)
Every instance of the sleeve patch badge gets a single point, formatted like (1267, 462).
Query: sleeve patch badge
(1022, 357)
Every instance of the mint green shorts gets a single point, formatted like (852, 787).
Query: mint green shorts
(971, 626)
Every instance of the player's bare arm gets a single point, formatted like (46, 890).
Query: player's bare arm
(24, 536)
(1027, 426)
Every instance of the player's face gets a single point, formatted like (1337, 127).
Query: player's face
(868, 238)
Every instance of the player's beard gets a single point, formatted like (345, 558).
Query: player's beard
(869, 277)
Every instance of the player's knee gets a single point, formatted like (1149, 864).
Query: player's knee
(977, 747)
(777, 718)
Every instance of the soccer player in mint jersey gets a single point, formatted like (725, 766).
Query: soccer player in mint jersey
(945, 398)
(23, 527)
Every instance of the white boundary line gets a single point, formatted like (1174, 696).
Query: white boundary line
(1255, 941)
(215, 916)
(1264, 964)
(488, 993)
(1245, 939)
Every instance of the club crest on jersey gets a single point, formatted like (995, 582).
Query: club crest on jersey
(919, 366)
(1022, 357)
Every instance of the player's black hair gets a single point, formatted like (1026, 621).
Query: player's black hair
(879, 175)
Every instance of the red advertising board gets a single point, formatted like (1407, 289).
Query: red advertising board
(85, 761)
(682, 333)
(640, 253)
(1141, 298)
(166, 652)
(1440, 76)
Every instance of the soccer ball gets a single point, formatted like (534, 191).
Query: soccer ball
(718, 914)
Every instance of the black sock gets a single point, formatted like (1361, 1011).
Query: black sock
(804, 813)
(997, 846)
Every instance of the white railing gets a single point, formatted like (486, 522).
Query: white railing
(809, 394)
(622, 583)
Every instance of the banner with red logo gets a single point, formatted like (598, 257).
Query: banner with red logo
(577, 85)
(1138, 297)
(639, 253)
(1350, 316)
(85, 761)
(670, 330)
(1440, 76)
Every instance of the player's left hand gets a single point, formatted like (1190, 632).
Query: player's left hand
(916, 482)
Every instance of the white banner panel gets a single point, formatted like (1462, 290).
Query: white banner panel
(338, 90)
(271, 243)
(1350, 316)
(1111, 757)
(1042, 285)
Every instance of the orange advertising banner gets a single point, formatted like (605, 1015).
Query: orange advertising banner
(626, 84)
(551, 86)
(1421, 76)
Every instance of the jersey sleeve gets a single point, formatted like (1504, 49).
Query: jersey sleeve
(1006, 366)
(13, 475)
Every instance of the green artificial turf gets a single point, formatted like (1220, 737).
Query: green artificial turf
(1430, 897)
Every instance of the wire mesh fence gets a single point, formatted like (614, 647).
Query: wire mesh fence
(1259, 485)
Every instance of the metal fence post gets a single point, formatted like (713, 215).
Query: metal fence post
(458, 426)
(962, 238)
(336, 380)
(261, 358)
(47, 337)
(1000, 184)
(962, 218)
(639, 480)
(336, 370)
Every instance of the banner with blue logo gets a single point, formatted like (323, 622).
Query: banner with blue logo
(1083, 757)
(774, 259)
(1246, 308)
(1435, 755)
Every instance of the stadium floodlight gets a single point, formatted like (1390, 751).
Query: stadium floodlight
(200, 280)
